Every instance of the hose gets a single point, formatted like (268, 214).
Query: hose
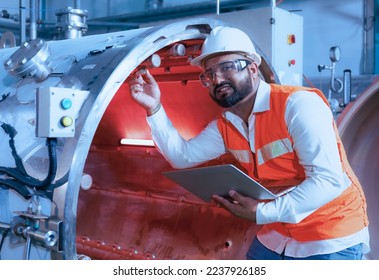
(19, 173)
(14, 185)
(30, 181)
(12, 133)
(3, 236)
(58, 182)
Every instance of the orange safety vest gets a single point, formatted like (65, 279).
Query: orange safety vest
(275, 164)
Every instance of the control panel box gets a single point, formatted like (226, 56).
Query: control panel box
(56, 112)
(278, 35)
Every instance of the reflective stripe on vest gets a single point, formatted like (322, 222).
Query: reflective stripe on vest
(273, 150)
(243, 156)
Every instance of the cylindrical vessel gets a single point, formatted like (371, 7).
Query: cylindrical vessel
(111, 201)
(358, 125)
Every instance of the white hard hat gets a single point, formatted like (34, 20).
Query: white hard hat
(227, 40)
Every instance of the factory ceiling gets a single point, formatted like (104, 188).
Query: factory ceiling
(131, 20)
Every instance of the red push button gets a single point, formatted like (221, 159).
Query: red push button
(291, 39)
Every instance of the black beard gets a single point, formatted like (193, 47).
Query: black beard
(239, 93)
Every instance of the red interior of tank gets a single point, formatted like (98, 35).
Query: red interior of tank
(132, 211)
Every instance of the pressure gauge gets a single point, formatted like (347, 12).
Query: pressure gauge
(335, 54)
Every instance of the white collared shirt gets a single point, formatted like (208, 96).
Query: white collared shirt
(309, 122)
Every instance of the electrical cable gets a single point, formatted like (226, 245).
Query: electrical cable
(58, 182)
(48, 190)
(12, 133)
(30, 181)
(3, 236)
(16, 186)
(20, 180)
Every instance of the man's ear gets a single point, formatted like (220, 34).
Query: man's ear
(254, 69)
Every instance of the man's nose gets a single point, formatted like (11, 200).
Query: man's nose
(217, 78)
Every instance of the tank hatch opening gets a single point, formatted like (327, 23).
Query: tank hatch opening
(131, 210)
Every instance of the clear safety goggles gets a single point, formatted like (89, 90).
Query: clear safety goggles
(224, 70)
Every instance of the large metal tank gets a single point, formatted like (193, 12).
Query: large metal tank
(359, 129)
(65, 107)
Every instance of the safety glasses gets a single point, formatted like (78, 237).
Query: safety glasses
(224, 70)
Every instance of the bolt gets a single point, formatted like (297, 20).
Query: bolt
(8, 62)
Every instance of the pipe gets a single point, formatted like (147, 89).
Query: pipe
(333, 80)
(28, 247)
(22, 9)
(33, 20)
(77, 4)
(177, 11)
(368, 64)
(39, 11)
(346, 86)
(72, 22)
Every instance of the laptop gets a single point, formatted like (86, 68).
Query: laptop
(220, 179)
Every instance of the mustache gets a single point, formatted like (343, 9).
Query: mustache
(221, 85)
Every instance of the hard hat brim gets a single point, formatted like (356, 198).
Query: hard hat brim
(197, 61)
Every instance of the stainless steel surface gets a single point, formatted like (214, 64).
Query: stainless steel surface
(22, 9)
(72, 22)
(358, 125)
(100, 64)
(33, 20)
(32, 59)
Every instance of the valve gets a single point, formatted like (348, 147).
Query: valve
(36, 228)
(334, 56)
(31, 59)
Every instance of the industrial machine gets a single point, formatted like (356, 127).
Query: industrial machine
(69, 187)
(79, 178)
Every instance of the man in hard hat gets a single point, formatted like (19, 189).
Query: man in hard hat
(281, 136)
